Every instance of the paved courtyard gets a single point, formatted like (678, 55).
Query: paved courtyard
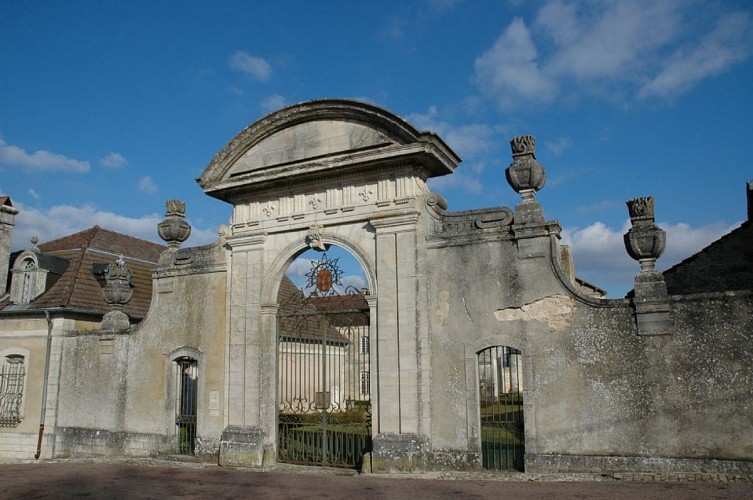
(160, 479)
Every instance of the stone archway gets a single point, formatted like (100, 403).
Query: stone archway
(337, 171)
(323, 366)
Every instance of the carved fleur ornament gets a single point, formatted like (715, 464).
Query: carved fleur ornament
(525, 175)
(641, 209)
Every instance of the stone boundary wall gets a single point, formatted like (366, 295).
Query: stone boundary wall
(18, 445)
(73, 442)
(80, 442)
(542, 464)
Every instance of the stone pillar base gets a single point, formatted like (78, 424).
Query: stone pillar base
(399, 453)
(244, 447)
(651, 302)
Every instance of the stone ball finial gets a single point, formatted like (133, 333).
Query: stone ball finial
(174, 229)
(33, 244)
(525, 175)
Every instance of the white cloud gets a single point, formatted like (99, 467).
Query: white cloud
(273, 102)
(298, 268)
(40, 160)
(600, 256)
(606, 40)
(62, 220)
(611, 49)
(727, 44)
(113, 160)
(255, 67)
(147, 185)
(467, 140)
(353, 280)
(510, 72)
(466, 181)
(558, 146)
(33, 194)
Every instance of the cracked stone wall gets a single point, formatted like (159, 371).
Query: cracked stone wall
(593, 387)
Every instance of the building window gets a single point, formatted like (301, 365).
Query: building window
(12, 376)
(365, 382)
(365, 344)
(28, 266)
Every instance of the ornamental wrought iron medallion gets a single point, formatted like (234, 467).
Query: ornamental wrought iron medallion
(323, 275)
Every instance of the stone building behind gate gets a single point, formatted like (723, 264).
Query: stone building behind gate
(457, 302)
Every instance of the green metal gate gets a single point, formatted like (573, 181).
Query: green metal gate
(186, 392)
(500, 373)
(323, 373)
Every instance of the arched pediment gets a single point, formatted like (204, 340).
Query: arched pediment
(318, 138)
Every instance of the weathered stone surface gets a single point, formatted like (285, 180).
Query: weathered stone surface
(242, 446)
(601, 390)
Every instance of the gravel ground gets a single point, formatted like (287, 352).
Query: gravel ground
(159, 478)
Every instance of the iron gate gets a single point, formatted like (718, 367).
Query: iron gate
(186, 389)
(323, 373)
(500, 374)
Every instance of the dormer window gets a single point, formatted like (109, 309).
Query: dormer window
(34, 272)
(29, 278)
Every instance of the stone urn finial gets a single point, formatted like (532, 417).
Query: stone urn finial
(525, 175)
(174, 229)
(117, 292)
(645, 241)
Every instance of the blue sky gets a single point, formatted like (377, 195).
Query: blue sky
(109, 108)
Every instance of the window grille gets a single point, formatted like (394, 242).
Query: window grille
(365, 382)
(365, 344)
(12, 374)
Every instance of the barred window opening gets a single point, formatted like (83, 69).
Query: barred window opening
(12, 376)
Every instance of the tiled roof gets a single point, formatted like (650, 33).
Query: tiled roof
(724, 265)
(78, 288)
(344, 310)
(299, 319)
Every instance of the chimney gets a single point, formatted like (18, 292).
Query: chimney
(7, 221)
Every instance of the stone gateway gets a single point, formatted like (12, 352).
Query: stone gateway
(477, 346)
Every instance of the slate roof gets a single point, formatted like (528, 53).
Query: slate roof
(77, 288)
(724, 265)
